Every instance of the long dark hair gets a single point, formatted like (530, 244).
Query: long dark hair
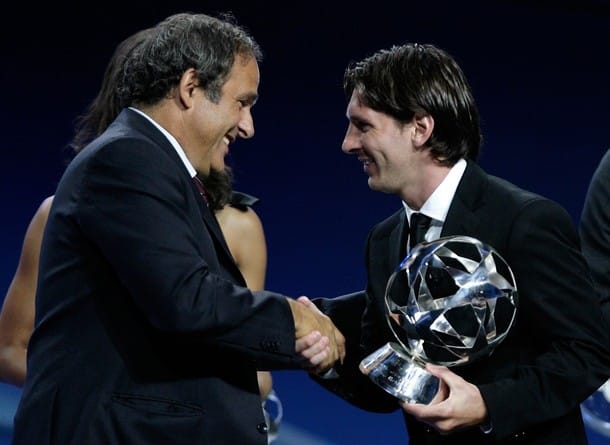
(106, 105)
(219, 185)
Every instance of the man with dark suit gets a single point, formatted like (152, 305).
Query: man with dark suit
(414, 125)
(145, 331)
(595, 230)
(595, 238)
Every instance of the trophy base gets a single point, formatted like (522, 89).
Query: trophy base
(397, 374)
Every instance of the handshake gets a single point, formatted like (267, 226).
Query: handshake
(318, 341)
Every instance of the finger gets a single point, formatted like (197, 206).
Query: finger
(304, 300)
(309, 304)
(441, 394)
(429, 414)
(444, 374)
(340, 340)
(316, 362)
(415, 409)
(311, 350)
(307, 341)
(320, 360)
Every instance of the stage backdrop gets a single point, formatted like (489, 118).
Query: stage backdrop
(539, 71)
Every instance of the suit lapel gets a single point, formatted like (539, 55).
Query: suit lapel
(462, 218)
(398, 241)
(215, 232)
(210, 221)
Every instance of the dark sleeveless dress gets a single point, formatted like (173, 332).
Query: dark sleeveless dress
(242, 201)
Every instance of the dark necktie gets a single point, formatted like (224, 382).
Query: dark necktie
(202, 190)
(418, 228)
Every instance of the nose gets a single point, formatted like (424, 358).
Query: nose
(246, 124)
(351, 143)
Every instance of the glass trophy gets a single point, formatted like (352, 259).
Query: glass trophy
(449, 302)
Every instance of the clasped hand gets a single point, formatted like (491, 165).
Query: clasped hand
(317, 340)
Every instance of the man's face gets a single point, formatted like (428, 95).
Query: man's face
(384, 146)
(213, 126)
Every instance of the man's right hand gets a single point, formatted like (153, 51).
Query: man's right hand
(317, 340)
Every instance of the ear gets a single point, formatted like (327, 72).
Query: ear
(422, 129)
(187, 86)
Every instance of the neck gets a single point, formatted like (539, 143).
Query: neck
(430, 178)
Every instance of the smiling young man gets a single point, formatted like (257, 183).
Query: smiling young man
(414, 126)
(145, 330)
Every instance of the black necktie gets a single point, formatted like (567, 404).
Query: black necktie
(418, 228)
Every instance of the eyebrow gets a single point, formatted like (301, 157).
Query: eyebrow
(250, 98)
(356, 120)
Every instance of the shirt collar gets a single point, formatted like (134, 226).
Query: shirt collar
(437, 204)
(172, 140)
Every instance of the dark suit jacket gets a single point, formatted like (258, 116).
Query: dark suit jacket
(595, 230)
(145, 332)
(557, 351)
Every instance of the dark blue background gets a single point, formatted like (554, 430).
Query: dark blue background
(539, 70)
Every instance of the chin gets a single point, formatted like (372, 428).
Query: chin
(374, 185)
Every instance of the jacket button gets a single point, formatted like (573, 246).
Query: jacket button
(262, 428)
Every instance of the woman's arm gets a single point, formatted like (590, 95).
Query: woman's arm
(17, 316)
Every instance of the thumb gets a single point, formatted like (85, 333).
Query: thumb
(443, 373)
(444, 376)
(306, 301)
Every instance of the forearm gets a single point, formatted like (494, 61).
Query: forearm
(13, 364)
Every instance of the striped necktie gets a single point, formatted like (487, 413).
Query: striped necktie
(202, 190)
